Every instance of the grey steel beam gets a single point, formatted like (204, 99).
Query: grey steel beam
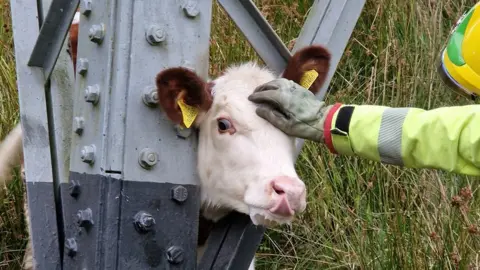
(331, 23)
(53, 32)
(136, 204)
(258, 32)
(36, 139)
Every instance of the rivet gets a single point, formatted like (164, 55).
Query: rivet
(179, 194)
(79, 124)
(155, 34)
(92, 94)
(82, 66)
(97, 33)
(150, 96)
(74, 188)
(88, 154)
(71, 246)
(190, 9)
(86, 7)
(147, 158)
(175, 255)
(183, 132)
(84, 218)
(143, 222)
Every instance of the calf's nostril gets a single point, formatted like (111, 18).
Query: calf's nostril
(278, 189)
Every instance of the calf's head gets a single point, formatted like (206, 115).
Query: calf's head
(244, 162)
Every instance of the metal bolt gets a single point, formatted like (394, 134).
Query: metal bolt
(179, 194)
(147, 158)
(71, 246)
(86, 7)
(143, 222)
(97, 33)
(175, 255)
(74, 188)
(183, 132)
(79, 124)
(92, 94)
(150, 96)
(190, 9)
(82, 66)
(84, 218)
(155, 34)
(88, 154)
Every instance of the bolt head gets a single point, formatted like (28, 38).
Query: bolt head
(147, 158)
(179, 194)
(86, 7)
(88, 154)
(183, 132)
(175, 255)
(97, 33)
(74, 188)
(92, 94)
(71, 246)
(82, 66)
(143, 222)
(190, 9)
(84, 218)
(150, 96)
(155, 35)
(79, 124)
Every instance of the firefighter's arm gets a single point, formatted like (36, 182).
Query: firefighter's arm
(445, 138)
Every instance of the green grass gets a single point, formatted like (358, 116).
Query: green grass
(360, 214)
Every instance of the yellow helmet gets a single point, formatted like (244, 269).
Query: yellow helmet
(460, 61)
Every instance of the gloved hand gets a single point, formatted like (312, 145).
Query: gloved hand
(291, 108)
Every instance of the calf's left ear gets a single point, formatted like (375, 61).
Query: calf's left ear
(299, 68)
(182, 94)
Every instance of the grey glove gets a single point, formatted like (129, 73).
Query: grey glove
(291, 108)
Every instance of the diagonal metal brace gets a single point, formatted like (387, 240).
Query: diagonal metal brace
(52, 35)
(232, 243)
(258, 32)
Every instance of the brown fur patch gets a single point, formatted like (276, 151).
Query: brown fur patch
(314, 57)
(175, 83)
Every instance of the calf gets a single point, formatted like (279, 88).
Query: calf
(244, 163)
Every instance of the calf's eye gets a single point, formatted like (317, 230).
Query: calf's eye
(224, 125)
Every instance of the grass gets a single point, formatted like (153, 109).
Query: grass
(360, 214)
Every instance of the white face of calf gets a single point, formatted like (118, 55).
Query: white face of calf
(244, 162)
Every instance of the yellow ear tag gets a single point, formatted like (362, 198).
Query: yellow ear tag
(189, 113)
(308, 78)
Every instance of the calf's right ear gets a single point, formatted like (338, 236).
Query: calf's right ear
(182, 94)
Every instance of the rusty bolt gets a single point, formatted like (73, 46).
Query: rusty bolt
(183, 132)
(155, 34)
(71, 246)
(82, 66)
(150, 96)
(97, 33)
(179, 194)
(79, 124)
(143, 222)
(74, 188)
(86, 7)
(88, 154)
(84, 218)
(147, 158)
(92, 94)
(175, 255)
(190, 9)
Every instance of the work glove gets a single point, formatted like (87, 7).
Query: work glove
(291, 108)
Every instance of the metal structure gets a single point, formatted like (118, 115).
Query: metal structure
(111, 184)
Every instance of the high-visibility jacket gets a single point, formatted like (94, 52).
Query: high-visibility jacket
(445, 138)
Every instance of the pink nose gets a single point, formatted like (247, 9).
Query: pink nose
(288, 197)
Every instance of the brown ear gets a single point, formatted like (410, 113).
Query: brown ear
(314, 57)
(178, 83)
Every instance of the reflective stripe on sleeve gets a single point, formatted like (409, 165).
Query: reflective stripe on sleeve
(390, 135)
